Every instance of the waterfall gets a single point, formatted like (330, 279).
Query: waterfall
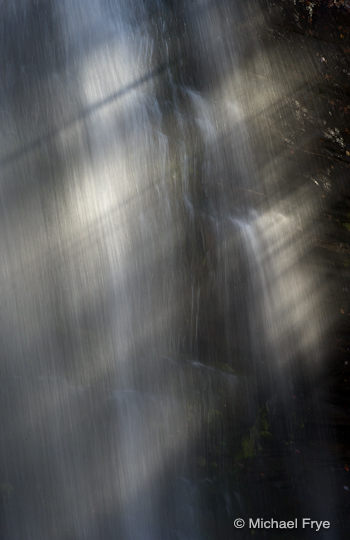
(152, 285)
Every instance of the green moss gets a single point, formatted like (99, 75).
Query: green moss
(202, 462)
(252, 442)
(6, 490)
(224, 366)
(248, 446)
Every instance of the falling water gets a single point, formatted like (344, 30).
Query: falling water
(152, 289)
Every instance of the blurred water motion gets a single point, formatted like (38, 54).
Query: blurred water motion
(154, 291)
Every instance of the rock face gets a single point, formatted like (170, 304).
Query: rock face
(317, 136)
